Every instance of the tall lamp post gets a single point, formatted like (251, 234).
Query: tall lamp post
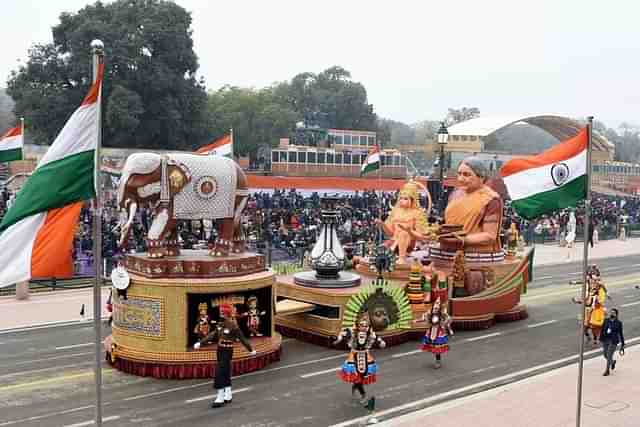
(443, 139)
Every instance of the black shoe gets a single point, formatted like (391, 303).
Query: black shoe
(215, 404)
(606, 373)
(371, 404)
(613, 365)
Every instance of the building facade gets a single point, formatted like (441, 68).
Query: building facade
(342, 154)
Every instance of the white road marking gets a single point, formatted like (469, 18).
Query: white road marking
(74, 346)
(293, 365)
(27, 362)
(51, 414)
(51, 368)
(629, 304)
(92, 422)
(543, 278)
(482, 337)
(314, 374)
(408, 353)
(443, 396)
(477, 371)
(211, 396)
(548, 322)
(87, 322)
(170, 390)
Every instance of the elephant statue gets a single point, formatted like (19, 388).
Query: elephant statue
(180, 186)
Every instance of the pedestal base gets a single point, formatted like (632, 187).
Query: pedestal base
(309, 279)
(22, 290)
(192, 364)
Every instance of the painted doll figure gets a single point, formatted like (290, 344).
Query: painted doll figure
(253, 314)
(436, 338)
(203, 324)
(225, 334)
(360, 368)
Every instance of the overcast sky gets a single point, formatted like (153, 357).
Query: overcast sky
(415, 58)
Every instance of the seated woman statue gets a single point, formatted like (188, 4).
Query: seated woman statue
(477, 208)
(406, 220)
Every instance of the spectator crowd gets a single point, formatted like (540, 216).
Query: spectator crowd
(288, 222)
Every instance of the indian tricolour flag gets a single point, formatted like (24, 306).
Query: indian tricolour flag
(220, 147)
(11, 145)
(36, 234)
(552, 180)
(371, 163)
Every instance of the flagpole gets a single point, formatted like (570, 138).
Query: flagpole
(231, 133)
(97, 48)
(585, 264)
(22, 133)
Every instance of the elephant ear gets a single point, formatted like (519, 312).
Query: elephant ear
(178, 178)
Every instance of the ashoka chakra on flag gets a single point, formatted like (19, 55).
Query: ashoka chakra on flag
(552, 180)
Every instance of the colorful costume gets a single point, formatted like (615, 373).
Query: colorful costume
(595, 312)
(436, 338)
(360, 368)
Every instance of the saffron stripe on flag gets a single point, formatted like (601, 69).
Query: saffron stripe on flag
(532, 181)
(561, 152)
(53, 244)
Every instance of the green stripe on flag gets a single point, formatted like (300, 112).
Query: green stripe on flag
(54, 185)
(11, 155)
(369, 167)
(549, 201)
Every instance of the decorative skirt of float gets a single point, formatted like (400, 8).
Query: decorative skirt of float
(155, 321)
(493, 286)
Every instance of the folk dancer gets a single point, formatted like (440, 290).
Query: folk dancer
(436, 338)
(224, 334)
(360, 368)
(594, 303)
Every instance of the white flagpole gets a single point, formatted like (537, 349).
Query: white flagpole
(231, 133)
(585, 264)
(22, 134)
(97, 48)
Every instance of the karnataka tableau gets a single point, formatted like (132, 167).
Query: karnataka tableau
(178, 299)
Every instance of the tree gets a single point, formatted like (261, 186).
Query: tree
(151, 96)
(256, 116)
(329, 99)
(7, 119)
(457, 115)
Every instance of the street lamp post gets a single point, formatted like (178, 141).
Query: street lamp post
(443, 139)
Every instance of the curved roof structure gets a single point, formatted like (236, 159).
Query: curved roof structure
(558, 126)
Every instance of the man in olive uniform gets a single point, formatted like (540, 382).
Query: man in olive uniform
(225, 334)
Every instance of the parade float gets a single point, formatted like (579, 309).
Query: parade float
(167, 298)
(476, 280)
